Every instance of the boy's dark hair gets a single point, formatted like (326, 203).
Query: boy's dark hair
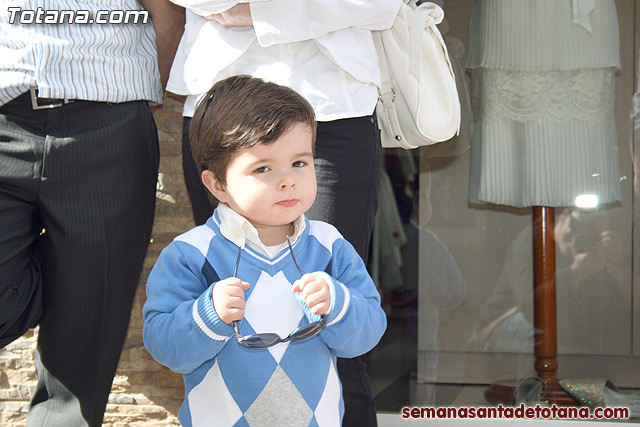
(240, 112)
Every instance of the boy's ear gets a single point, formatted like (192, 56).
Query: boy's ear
(214, 186)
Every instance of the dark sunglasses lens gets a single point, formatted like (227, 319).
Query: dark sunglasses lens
(259, 340)
(306, 331)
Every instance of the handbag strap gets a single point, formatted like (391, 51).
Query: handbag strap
(386, 91)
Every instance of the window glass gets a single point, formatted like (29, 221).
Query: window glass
(545, 154)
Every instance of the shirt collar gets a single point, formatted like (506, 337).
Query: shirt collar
(241, 232)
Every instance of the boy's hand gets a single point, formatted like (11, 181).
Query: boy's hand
(315, 293)
(228, 299)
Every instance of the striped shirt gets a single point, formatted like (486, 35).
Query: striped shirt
(93, 62)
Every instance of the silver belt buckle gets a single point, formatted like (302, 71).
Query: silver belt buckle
(35, 101)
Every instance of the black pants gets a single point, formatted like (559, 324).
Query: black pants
(85, 173)
(347, 164)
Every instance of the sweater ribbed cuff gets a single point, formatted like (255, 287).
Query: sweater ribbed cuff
(207, 319)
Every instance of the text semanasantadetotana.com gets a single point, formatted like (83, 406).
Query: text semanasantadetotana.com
(522, 411)
(18, 15)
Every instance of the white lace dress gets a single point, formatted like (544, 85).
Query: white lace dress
(542, 91)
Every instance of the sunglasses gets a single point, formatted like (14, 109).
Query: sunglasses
(266, 340)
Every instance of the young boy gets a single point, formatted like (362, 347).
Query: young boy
(224, 298)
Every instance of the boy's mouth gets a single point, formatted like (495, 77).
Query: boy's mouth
(289, 203)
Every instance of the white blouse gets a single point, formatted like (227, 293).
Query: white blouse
(321, 48)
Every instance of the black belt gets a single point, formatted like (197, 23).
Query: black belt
(39, 103)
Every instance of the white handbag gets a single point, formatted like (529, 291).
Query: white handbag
(418, 103)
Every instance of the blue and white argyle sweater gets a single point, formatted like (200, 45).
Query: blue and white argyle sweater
(290, 384)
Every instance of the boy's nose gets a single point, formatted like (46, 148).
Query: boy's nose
(287, 181)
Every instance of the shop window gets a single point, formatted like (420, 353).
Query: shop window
(550, 120)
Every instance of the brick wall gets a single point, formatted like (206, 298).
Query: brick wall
(143, 393)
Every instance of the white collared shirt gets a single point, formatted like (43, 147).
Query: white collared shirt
(323, 49)
(241, 232)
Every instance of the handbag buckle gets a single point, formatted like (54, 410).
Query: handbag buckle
(384, 97)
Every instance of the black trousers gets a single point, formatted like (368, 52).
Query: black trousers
(347, 164)
(85, 173)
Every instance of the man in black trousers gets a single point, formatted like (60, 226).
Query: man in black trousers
(78, 170)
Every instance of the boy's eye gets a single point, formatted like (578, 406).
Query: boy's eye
(262, 169)
(299, 164)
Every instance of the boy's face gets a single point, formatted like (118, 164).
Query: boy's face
(270, 184)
